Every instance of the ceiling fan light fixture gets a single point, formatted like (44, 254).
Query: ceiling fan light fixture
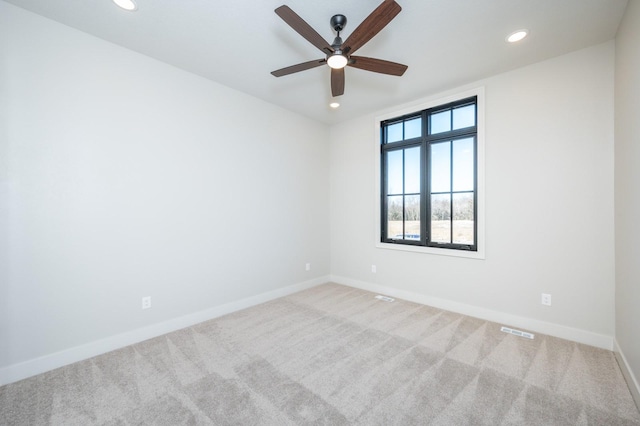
(337, 60)
(339, 54)
(129, 5)
(334, 105)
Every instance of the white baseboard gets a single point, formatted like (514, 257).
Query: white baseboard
(564, 332)
(23, 370)
(632, 382)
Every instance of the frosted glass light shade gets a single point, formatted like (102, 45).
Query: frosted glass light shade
(337, 61)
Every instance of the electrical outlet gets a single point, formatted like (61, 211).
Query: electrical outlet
(146, 302)
(546, 299)
(374, 269)
(307, 267)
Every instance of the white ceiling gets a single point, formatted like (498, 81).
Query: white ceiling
(445, 43)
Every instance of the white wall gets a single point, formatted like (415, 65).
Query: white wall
(549, 205)
(123, 177)
(627, 193)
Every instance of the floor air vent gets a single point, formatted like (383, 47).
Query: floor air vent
(517, 332)
(385, 298)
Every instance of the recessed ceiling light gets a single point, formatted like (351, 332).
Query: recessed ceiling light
(126, 4)
(517, 36)
(334, 105)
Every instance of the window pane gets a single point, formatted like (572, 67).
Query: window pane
(394, 172)
(394, 132)
(394, 217)
(441, 218)
(412, 217)
(463, 160)
(441, 122)
(464, 117)
(463, 218)
(441, 167)
(413, 128)
(412, 170)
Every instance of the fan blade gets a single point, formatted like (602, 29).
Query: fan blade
(337, 82)
(372, 25)
(299, 67)
(377, 65)
(302, 28)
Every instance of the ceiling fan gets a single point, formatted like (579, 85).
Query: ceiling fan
(340, 54)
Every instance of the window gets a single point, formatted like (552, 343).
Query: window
(429, 177)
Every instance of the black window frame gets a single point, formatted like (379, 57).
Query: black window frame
(425, 141)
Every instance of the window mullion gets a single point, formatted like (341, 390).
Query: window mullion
(383, 191)
(404, 197)
(425, 189)
(424, 194)
(451, 193)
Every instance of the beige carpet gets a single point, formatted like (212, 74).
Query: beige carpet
(332, 355)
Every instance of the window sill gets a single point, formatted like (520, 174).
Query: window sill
(433, 250)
